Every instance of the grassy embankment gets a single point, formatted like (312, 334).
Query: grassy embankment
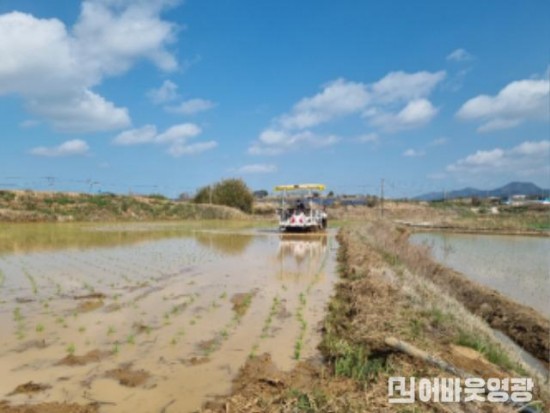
(455, 216)
(29, 206)
(387, 300)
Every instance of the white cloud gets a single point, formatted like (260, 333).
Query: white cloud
(516, 103)
(397, 101)
(526, 159)
(54, 68)
(530, 148)
(459, 55)
(138, 136)
(398, 87)
(68, 148)
(338, 98)
(416, 113)
(175, 137)
(112, 35)
(256, 169)
(80, 112)
(182, 148)
(413, 153)
(275, 142)
(167, 92)
(178, 133)
(192, 106)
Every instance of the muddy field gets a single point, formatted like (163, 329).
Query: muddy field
(159, 325)
(388, 318)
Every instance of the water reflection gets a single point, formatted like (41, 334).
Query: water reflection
(301, 255)
(516, 266)
(20, 238)
(226, 243)
(166, 303)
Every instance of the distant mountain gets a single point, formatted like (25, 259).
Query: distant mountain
(513, 188)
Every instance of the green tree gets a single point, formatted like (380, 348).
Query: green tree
(230, 192)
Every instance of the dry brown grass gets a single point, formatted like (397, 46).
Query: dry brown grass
(521, 323)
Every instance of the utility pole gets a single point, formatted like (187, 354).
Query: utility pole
(210, 193)
(382, 197)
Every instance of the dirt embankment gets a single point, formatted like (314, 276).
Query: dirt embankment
(454, 217)
(385, 320)
(525, 326)
(29, 206)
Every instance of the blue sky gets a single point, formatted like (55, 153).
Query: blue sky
(167, 96)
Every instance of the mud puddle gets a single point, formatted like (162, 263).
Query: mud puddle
(163, 325)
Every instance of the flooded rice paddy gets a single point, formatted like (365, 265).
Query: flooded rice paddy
(516, 266)
(151, 317)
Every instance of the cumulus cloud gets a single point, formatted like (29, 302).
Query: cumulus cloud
(416, 113)
(192, 106)
(275, 142)
(167, 92)
(68, 148)
(398, 87)
(180, 148)
(257, 168)
(178, 133)
(137, 136)
(338, 98)
(413, 153)
(55, 68)
(175, 137)
(459, 55)
(397, 101)
(368, 138)
(83, 111)
(526, 159)
(516, 103)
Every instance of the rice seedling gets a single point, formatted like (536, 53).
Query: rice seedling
(17, 316)
(2, 278)
(131, 339)
(303, 326)
(71, 348)
(32, 281)
(111, 330)
(39, 328)
(81, 329)
(269, 320)
(254, 350)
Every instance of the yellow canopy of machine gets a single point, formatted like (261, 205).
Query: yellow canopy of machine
(316, 187)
